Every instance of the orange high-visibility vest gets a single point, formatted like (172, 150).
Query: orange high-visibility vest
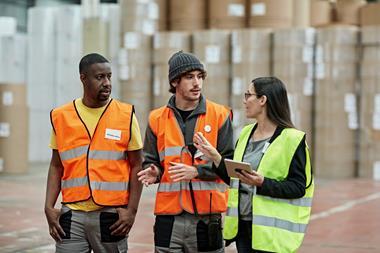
(94, 167)
(174, 197)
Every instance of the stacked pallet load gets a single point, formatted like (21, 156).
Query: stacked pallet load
(212, 47)
(293, 63)
(135, 74)
(165, 44)
(369, 166)
(13, 104)
(226, 14)
(251, 58)
(142, 15)
(336, 113)
(187, 15)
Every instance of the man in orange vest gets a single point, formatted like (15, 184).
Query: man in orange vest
(190, 196)
(96, 145)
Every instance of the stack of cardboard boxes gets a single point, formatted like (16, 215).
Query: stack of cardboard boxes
(270, 13)
(212, 47)
(226, 14)
(187, 15)
(13, 107)
(165, 44)
(370, 104)
(141, 15)
(336, 114)
(251, 58)
(14, 122)
(135, 74)
(293, 63)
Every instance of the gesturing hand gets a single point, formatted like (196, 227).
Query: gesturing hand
(180, 171)
(203, 145)
(149, 175)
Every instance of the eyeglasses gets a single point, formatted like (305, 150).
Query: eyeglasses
(248, 95)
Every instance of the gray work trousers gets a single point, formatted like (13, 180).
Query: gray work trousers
(86, 231)
(188, 233)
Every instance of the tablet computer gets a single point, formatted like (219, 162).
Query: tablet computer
(234, 166)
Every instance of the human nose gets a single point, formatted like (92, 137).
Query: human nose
(197, 81)
(107, 82)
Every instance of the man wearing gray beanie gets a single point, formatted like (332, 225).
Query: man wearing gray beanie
(190, 196)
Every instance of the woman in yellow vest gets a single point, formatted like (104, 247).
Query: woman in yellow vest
(268, 208)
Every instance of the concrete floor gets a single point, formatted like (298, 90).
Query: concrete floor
(346, 216)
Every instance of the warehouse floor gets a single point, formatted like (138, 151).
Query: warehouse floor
(346, 216)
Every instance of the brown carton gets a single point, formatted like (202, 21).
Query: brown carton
(271, 13)
(369, 14)
(14, 139)
(227, 14)
(348, 11)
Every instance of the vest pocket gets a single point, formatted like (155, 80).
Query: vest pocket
(106, 221)
(163, 229)
(65, 222)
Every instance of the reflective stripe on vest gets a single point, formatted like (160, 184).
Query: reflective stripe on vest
(107, 181)
(197, 186)
(93, 154)
(287, 218)
(171, 151)
(174, 197)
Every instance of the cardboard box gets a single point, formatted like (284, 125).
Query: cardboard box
(227, 14)
(271, 13)
(370, 35)
(14, 139)
(369, 14)
(187, 15)
(251, 38)
(348, 11)
(301, 13)
(12, 95)
(95, 34)
(320, 13)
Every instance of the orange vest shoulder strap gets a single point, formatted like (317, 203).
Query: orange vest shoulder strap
(155, 116)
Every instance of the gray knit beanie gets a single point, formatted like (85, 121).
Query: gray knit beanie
(181, 63)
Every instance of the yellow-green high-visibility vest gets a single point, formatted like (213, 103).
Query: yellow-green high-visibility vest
(278, 225)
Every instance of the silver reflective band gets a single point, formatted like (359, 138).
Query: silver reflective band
(234, 183)
(107, 155)
(197, 186)
(169, 187)
(305, 202)
(279, 223)
(75, 182)
(172, 151)
(109, 186)
(232, 212)
(73, 153)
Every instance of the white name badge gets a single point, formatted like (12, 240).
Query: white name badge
(113, 134)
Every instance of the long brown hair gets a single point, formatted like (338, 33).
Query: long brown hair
(278, 109)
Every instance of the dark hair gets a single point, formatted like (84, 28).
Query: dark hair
(172, 89)
(90, 59)
(277, 100)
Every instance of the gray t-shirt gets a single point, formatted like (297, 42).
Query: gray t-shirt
(253, 155)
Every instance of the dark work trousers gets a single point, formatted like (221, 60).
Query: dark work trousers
(187, 233)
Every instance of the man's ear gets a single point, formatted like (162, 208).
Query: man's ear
(174, 84)
(82, 77)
